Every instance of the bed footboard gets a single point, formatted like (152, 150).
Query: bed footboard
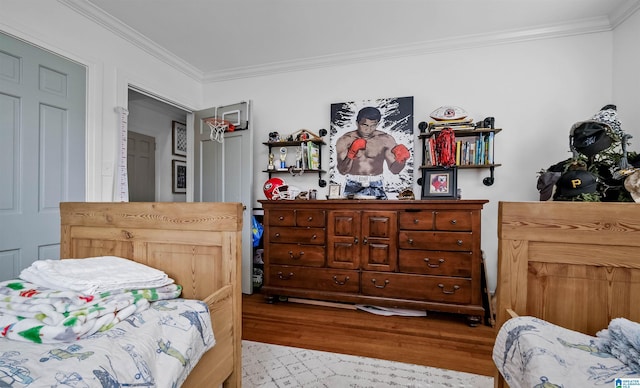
(196, 244)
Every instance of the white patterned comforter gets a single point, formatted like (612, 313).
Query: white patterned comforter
(157, 347)
(530, 352)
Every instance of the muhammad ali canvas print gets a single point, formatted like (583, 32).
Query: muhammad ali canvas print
(371, 150)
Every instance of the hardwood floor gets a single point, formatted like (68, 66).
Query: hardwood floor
(438, 340)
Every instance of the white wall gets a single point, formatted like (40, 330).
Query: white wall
(626, 76)
(536, 90)
(112, 64)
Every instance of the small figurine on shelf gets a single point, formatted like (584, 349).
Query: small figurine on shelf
(283, 157)
(274, 137)
(271, 166)
(299, 158)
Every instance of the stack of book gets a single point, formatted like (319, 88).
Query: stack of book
(457, 125)
(310, 155)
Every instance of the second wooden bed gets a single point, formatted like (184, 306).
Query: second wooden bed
(573, 264)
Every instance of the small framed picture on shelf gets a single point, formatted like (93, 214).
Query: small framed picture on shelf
(334, 191)
(179, 176)
(439, 183)
(179, 131)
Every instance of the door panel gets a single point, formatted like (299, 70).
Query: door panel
(223, 172)
(42, 153)
(343, 239)
(380, 248)
(141, 167)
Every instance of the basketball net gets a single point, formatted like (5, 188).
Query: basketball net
(218, 127)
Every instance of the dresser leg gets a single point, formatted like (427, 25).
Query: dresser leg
(474, 320)
(275, 299)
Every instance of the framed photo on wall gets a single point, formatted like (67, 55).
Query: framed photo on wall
(440, 183)
(179, 176)
(179, 131)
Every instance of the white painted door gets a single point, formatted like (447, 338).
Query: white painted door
(42, 150)
(223, 172)
(141, 167)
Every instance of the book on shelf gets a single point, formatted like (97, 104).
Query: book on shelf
(313, 155)
(490, 148)
(304, 155)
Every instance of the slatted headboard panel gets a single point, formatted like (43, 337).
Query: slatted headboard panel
(575, 264)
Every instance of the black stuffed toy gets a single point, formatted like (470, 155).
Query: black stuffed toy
(599, 164)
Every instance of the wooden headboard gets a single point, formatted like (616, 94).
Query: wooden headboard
(575, 264)
(196, 244)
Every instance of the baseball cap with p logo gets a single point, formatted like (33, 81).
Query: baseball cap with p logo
(575, 182)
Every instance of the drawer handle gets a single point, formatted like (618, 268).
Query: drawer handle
(380, 286)
(277, 235)
(459, 242)
(455, 288)
(355, 241)
(310, 218)
(364, 241)
(282, 276)
(410, 241)
(293, 257)
(415, 220)
(453, 222)
(315, 236)
(338, 282)
(430, 265)
(281, 218)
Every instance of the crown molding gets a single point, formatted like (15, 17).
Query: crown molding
(618, 16)
(429, 47)
(132, 36)
(579, 27)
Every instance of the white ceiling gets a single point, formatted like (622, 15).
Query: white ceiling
(217, 39)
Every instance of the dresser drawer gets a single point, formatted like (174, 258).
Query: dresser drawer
(297, 254)
(314, 278)
(440, 241)
(310, 218)
(420, 220)
(453, 220)
(296, 235)
(417, 287)
(281, 217)
(435, 262)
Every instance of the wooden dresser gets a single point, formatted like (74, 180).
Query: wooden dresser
(421, 254)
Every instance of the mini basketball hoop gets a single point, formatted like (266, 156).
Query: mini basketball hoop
(218, 128)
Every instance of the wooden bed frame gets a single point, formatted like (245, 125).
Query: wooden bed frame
(575, 264)
(196, 244)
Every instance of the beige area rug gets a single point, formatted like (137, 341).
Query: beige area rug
(267, 366)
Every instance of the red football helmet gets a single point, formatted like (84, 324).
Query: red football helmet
(272, 188)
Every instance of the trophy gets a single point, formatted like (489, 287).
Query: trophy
(271, 166)
(283, 157)
(299, 158)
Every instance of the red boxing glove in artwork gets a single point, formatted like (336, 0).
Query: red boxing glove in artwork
(357, 145)
(401, 153)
